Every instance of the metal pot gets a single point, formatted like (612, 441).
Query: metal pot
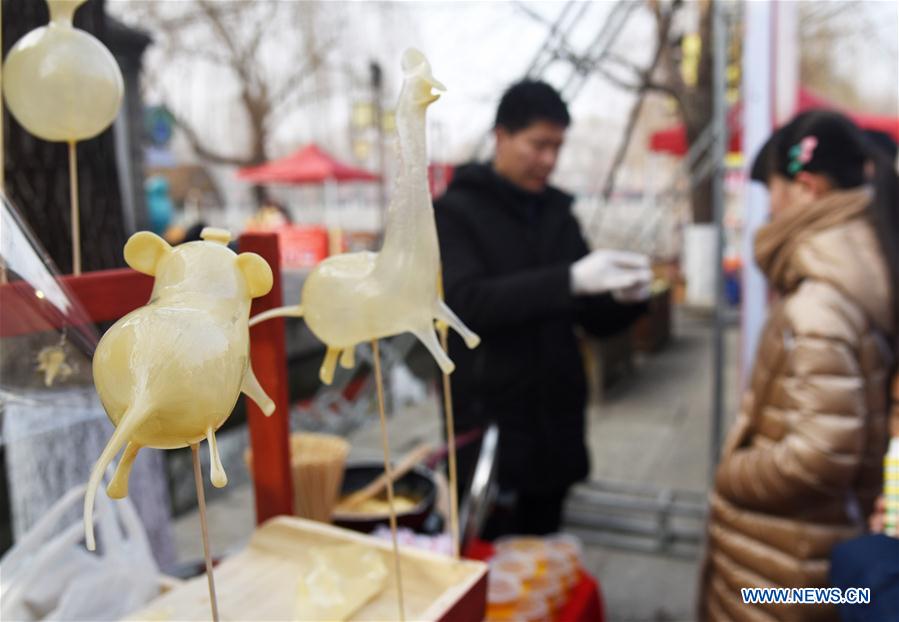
(416, 484)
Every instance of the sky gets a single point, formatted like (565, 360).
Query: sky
(476, 49)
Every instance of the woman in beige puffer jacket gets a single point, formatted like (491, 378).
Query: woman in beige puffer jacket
(802, 466)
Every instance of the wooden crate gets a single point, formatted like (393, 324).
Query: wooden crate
(260, 582)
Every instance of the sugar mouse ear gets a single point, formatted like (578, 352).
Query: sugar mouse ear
(144, 250)
(257, 273)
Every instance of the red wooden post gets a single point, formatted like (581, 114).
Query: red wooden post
(269, 436)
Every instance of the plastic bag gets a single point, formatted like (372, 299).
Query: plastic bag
(48, 575)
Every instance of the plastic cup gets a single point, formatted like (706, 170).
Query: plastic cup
(560, 567)
(533, 609)
(504, 593)
(527, 545)
(519, 565)
(568, 544)
(551, 590)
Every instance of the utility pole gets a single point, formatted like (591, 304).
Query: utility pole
(719, 151)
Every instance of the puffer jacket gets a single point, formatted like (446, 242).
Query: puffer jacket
(801, 468)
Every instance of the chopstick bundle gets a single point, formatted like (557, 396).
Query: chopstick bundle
(317, 463)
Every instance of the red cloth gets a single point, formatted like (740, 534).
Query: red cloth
(584, 602)
(674, 139)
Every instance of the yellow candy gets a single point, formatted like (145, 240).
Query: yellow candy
(359, 297)
(52, 361)
(60, 82)
(169, 373)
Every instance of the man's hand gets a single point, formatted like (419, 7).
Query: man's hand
(604, 271)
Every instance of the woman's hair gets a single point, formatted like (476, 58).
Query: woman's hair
(828, 143)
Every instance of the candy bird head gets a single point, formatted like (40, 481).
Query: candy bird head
(419, 80)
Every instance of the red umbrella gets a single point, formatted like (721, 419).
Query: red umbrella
(309, 165)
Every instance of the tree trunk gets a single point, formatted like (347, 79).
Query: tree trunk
(700, 189)
(701, 201)
(37, 177)
(257, 113)
(699, 116)
(621, 153)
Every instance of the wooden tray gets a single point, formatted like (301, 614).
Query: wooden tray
(260, 582)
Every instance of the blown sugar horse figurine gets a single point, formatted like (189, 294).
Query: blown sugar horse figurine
(359, 297)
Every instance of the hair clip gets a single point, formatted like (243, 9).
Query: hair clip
(801, 154)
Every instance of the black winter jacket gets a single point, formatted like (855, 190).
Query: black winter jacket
(506, 258)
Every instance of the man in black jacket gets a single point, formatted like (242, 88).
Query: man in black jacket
(517, 271)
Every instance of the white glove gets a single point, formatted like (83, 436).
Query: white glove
(605, 271)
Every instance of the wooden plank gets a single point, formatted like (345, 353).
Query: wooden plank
(104, 296)
(262, 581)
(269, 436)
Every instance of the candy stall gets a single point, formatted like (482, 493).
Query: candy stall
(169, 345)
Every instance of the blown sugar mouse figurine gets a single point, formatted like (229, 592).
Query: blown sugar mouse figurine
(169, 373)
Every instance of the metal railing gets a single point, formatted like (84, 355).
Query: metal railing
(637, 517)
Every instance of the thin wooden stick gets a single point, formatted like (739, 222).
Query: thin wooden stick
(3, 276)
(73, 200)
(2, 138)
(201, 501)
(451, 449)
(443, 331)
(379, 384)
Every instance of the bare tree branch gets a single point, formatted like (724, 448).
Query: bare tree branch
(656, 7)
(190, 19)
(202, 53)
(313, 61)
(627, 63)
(534, 15)
(215, 19)
(665, 89)
(201, 148)
(233, 36)
(664, 18)
(298, 98)
(644, 81)
(621, 152)
(673, 79)
(617, 81)
(815, 15)
(260, 29)
(240, 61)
